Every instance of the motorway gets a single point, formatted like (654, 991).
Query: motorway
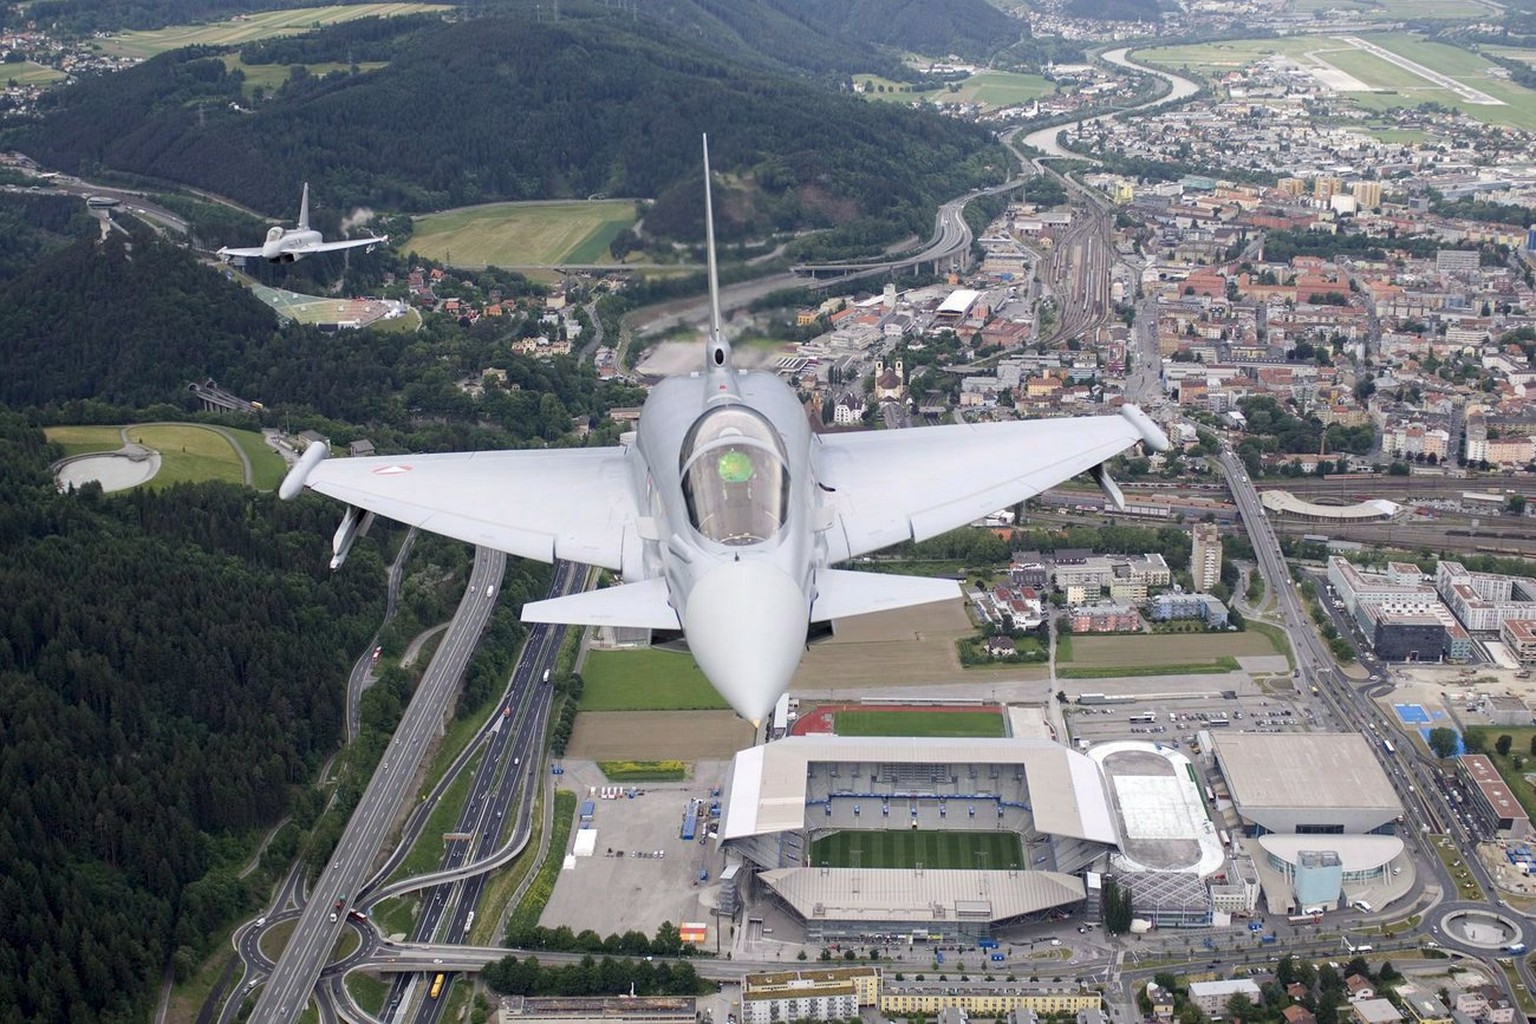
(292, 980)
(495, 823)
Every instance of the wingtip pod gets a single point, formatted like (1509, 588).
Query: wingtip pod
(1150, 432)
(298, 476)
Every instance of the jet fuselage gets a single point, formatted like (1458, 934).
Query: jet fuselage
(729, 483)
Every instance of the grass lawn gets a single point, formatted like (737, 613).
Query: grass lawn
(905, 848)
(427, 854)
(189, 454)
(27, 73)
(369, 992)
(918, 723)
(394, 916)
(249, 27)
(267, 467)
(1277, 638)
(1152, 651)
(275, 939)
(1193, 668)
(649, 680)
(543, 886)
(272, 76)
(990, 89)
(520, 234)
(80, 440)
(1466, 887)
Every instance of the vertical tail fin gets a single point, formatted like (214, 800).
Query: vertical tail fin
(304, 209)
(717, 356)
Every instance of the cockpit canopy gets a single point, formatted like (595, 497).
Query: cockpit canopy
(735, 476)
(274, 233)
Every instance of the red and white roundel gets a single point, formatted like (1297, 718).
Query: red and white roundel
(394, 470)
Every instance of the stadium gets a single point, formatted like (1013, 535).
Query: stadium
(933, 838)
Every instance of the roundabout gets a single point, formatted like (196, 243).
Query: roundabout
(1479, 929)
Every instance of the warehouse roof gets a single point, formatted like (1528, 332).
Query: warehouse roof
(1290, 769)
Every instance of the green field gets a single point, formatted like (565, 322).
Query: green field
(918, 723)
(906, 848)
(250, 27)
(28, 73)
(649, 680)
(80, 440)
(991, 89)
(523, 234)
(271, 76)
(189, 452)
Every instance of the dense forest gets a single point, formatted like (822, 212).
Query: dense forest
(582, 106)
(169, 673)
(173, 320)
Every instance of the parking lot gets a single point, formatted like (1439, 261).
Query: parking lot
(1176, 721)
(641, 872)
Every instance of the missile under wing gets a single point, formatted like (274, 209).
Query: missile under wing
(726, 514)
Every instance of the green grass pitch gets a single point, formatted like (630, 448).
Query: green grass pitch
(898, 848)
(918, 723)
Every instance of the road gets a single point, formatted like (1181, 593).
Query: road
(1412, 773)
(361, 676)
(292, 981)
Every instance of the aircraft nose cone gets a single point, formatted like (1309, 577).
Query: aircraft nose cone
(746, 623)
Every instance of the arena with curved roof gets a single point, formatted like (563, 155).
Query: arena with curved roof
(952, 837)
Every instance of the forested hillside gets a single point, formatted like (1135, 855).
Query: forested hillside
(507, 108)
(170, 668)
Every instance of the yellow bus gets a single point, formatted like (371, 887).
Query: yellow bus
(437, 987)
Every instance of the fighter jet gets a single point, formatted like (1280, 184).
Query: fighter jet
(724, 512)
(284, 246)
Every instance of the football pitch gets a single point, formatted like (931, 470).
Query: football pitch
(903, 848)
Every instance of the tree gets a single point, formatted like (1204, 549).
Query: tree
(1503, 743)
(1443, 741)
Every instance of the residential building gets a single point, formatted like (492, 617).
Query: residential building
(1205, 557)
(1375, 1011)
(1491, 801)
(1212, 996)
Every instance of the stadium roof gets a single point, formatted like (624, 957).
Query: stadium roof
(766, 789)
(1316, 770)
(887, 894)
(1287, 503)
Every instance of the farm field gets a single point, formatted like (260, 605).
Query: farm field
(523, 234)
(250, 27)
(918, 723)
(29, 73)
(1164, 649)
(658, 735)
(648, 680)
(903, 848)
